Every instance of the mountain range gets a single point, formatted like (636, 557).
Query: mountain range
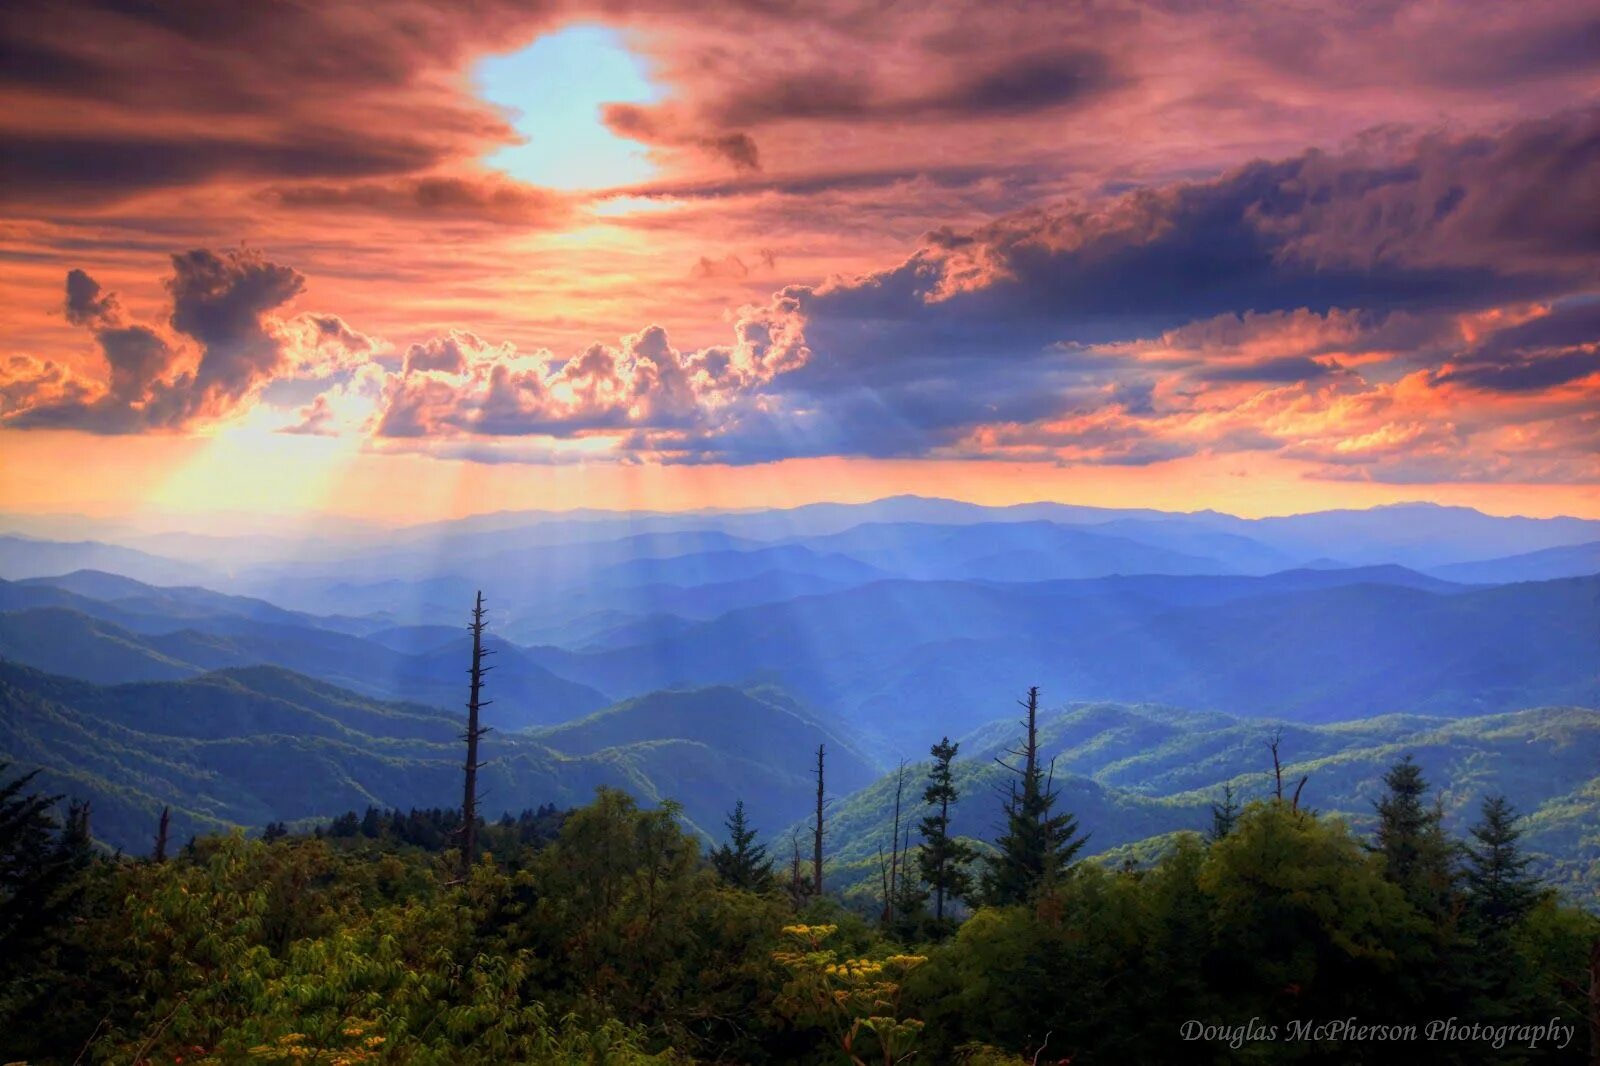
(251, 745)
(1130, 773)
(703, 656)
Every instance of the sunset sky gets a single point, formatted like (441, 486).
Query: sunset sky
(411, 260)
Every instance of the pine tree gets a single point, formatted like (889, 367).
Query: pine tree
(1416, 854)
(1224, 815)
(1037, 847)
(943, 859)
(742, 862)
(77, 838)
(1500, 892)
(38, 862)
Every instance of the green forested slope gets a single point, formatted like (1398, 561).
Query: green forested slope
(261, 744)
(1134, 772)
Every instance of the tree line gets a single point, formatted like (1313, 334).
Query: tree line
(605, 934)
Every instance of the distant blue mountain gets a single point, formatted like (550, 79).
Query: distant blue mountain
(25, 557)
(73, 644)
(898, 658)
(1571, 560)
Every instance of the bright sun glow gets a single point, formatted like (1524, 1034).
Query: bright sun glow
(554, 89)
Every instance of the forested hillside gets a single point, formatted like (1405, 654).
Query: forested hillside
(256, 745)
(608, 935)
(753, 789)
(1143, 771)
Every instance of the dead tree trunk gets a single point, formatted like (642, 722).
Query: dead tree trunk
(1277, 767)
(160, 854)
(474, 732)
(895, 855)
(816, 833)
(797, 885)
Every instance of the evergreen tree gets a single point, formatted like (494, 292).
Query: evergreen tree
(943, 859)
(742, 862)
(37, 862)
(1224, 815)
(1416, 854)
(77, 837)
(1037, 847)
(1499, 896)
(1500, 892)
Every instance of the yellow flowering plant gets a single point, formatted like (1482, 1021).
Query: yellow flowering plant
(856, 1000)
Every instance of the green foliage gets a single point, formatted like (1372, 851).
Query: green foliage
(1224, 815)
(1411, 839)
(943, 859)
(1136, 774)
(232, 748)
(1500, 892)
(741, 862)
(855, 1000)
(604, 936)
(1039, 844)
(1289, 916)
(39, 863)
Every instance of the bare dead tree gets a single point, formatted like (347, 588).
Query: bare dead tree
(816, 832)
(1277, 767)
(905, 857)
(883, 877)
(1273, 744)
(798, 888)
(474, 732)
(1029, 752)
(895, 854)
(160, 854)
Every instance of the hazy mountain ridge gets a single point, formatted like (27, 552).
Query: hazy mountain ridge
(262, 744)
(68, 642)
(881, 625)
(1132, 772)
(929, 654)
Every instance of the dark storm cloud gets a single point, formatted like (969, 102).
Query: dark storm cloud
(1543, 353)
(1017, 85)
(490, 200)
(658, 127)
(86, 304)
(71, 170)
(1315, 232)
(217, 306)
(1290, 368)
(1000, 324)
(185, 92)
(219, 301)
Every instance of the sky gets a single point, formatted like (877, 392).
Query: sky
(421, 259)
